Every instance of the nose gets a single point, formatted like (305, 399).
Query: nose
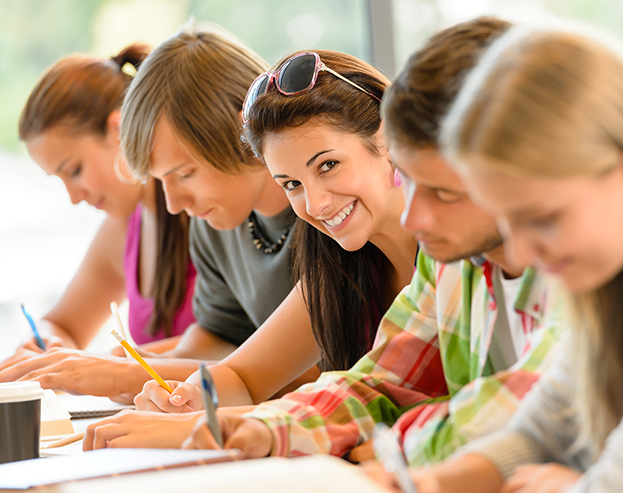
(520, 247)
(417, 214)
(76, 193)
(317, 201)
(176, 197)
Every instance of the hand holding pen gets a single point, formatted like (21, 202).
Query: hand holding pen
(388, 452)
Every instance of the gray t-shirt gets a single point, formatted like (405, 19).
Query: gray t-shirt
(238, 287)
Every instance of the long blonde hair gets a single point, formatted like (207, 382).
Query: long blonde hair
(550, 104)
(197, 80)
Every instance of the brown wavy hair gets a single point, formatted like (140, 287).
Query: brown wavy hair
(342, 290)
(80, 92)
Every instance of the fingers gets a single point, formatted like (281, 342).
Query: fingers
(155, 398)
(377, 472)
(123, 398)
(118, 351)
(31, 345)
(362, 453)
(250, 435)
(99, 434)
(200, 437)
(16, 358)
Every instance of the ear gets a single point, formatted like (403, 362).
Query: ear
(240, 117)
(113, 125)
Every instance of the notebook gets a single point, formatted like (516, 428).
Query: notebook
(314, 474)
(106, 462)
(55, 420)
(89, 406)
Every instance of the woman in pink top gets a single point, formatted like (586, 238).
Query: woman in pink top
(70, 125)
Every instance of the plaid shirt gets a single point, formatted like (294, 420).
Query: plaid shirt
(428, 374)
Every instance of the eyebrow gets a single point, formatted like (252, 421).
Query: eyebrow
(308, 163)
(60, 166)
(173, 170)
(315, 156)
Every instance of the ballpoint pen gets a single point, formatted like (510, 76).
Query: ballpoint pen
(35, 332)
(387, 451)
(210, 402)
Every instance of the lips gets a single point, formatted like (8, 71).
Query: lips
(340, 216)
(554, 268)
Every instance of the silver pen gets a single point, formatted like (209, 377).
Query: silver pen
(210, 402)
(387, 451)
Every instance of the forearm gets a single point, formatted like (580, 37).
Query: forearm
(163, 346)
(48, 328)
(230, 387)
(199, 343)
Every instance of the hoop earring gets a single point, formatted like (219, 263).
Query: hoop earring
(397, 178)
(116, 169)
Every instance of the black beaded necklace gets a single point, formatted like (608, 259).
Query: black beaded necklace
(259, 237)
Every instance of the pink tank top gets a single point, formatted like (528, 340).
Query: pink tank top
(141, 308)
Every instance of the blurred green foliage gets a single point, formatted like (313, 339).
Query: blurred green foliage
(35, 33)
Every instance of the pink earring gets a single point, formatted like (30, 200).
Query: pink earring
(397, 178)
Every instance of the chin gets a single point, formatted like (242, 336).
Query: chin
(585, 282)
(350, 244)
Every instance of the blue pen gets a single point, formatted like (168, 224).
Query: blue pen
(40, 342)
(210, 402)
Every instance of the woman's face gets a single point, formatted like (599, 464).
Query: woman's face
(334, 183)
(570, 227)
(85, 164)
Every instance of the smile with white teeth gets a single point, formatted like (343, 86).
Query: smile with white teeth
(340, 216)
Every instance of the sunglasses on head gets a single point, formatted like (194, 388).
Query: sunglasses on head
(295, 76)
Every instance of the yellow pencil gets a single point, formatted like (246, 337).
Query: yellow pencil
(66, 441)
(142, 362)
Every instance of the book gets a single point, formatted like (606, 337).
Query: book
(33, 473)
(90, 406)
(55, 420)
(313, 474)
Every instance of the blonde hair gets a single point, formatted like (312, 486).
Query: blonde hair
(197, 81)
(550, 104)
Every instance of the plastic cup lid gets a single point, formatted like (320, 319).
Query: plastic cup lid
(20, 391)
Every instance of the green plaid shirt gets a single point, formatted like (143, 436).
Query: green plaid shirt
(429, 373)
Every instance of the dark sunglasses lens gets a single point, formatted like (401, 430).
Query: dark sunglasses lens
(298, 74)
(256, 90)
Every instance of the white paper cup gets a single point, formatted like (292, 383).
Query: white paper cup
(20, 420)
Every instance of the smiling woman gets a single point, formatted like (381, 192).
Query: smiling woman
(323, 146)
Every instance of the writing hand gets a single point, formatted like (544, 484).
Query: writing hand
(185, 398)
(249, 435)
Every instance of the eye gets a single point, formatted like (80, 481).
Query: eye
(448, 197)
(543, 222)
(189, 174)
(327, 166)
(290, 185)
(75, 171)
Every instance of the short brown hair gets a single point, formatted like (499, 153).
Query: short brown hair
(197, 81)
(80, 92)
(420, 96)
